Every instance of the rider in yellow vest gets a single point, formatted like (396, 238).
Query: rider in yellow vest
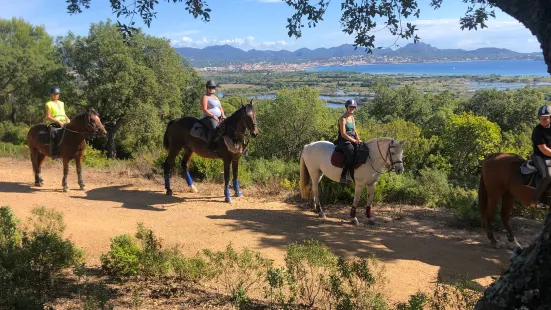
(55, 117)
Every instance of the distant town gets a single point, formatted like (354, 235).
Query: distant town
(352, 61)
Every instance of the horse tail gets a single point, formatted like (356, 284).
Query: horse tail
(165, 138)
(305, 186)
(482, 201)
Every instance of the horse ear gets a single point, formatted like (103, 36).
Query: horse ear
(402, 142)
(252, 102)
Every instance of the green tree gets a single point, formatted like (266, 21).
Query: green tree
(466, 140)
(294, 119)
(135, 85)
(27, 58)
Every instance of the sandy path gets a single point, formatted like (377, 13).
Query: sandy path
(415, 249)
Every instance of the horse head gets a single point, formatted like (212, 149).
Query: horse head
(395, 153)
(89, 122)
(249, 118)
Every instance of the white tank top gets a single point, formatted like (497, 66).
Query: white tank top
(213, 106)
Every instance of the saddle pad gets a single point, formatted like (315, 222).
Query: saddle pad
(337, 160)
(198, 131)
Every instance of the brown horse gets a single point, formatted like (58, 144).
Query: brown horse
(229, 148)
(500, 180)
(71, 147)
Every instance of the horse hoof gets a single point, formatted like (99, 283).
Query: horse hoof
(66, 189)
(169, 192)
(370, 222)
(193, 189)
(355, 221)
(83, 187)
(322, 215)
(238, 194)
(228, 199)
(38, 184)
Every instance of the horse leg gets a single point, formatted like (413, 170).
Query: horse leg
(235, 170)
(79, 173)
(65, 173)
(357, 193)
(316, 176)
(368, 211)
(167, 167)
(188, 153)
(506, 210)
(34, 162)
(40, 160)
(493, 200)
(227, 180)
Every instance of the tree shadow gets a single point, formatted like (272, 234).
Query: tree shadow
(388, 242)
(15, 187)
(132, 199)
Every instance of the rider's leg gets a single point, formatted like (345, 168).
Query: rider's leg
(52, 142)
(211, 125)
(545, 181)
(348, 149)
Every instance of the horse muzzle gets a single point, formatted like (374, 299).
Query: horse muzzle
(399, 168)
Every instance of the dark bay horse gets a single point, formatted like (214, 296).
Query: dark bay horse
(229, 148)
(71, 147)
(499, 181)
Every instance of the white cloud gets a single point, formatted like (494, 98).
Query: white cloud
(245, 43)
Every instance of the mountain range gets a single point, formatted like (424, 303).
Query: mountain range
(219, 55)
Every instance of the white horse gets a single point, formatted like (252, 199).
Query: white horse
(315, 161)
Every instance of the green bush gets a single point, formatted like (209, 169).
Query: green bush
(15, 134)
(127, 258)
(123, 258)
(464, 204)
(239, 272)
(12, 150)
(32, 257)
(96, 158)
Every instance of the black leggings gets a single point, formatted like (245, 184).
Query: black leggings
(542, 164)
(349, 150)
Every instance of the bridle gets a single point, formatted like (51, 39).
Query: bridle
(94, 129)
(388, 155)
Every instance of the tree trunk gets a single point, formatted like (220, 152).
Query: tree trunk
(534, 15)
(527, 282)
(13, 114)
(111, 144)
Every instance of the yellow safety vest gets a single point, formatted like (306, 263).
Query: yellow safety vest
(57, 111)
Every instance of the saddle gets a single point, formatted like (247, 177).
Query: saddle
(201, 131)
(44, 135)
(528, 173)
(362, 154)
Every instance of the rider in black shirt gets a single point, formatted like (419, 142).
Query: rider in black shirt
(541, 141)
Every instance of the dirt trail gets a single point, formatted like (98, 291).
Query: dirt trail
(415, 248)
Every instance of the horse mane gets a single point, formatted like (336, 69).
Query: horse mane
(383, 139)
(85, 113)
(233, 117)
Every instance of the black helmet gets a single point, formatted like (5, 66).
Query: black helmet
(55, 90)
(544, 110)
(351, 102)
(211, 83)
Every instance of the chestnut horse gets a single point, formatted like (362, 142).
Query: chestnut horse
(500, 181)
(71, 147)
(229, 148)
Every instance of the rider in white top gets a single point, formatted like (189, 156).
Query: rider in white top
(212, 112)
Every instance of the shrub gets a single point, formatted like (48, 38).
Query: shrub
(123, 258)
(32, 258)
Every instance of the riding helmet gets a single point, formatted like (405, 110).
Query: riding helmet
(544, 110)
(351, 102)
(55, 90)
(211, 83)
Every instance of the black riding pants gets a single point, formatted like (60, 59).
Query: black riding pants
(349, 150)
(543, 165)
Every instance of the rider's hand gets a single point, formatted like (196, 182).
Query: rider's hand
(68, 121)
(61, 124)
(216, 118)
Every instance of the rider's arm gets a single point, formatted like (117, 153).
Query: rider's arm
(356, 130)
(545, 149)
(342, 122)
(222, 110)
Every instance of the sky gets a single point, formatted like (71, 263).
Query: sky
(261, 24)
